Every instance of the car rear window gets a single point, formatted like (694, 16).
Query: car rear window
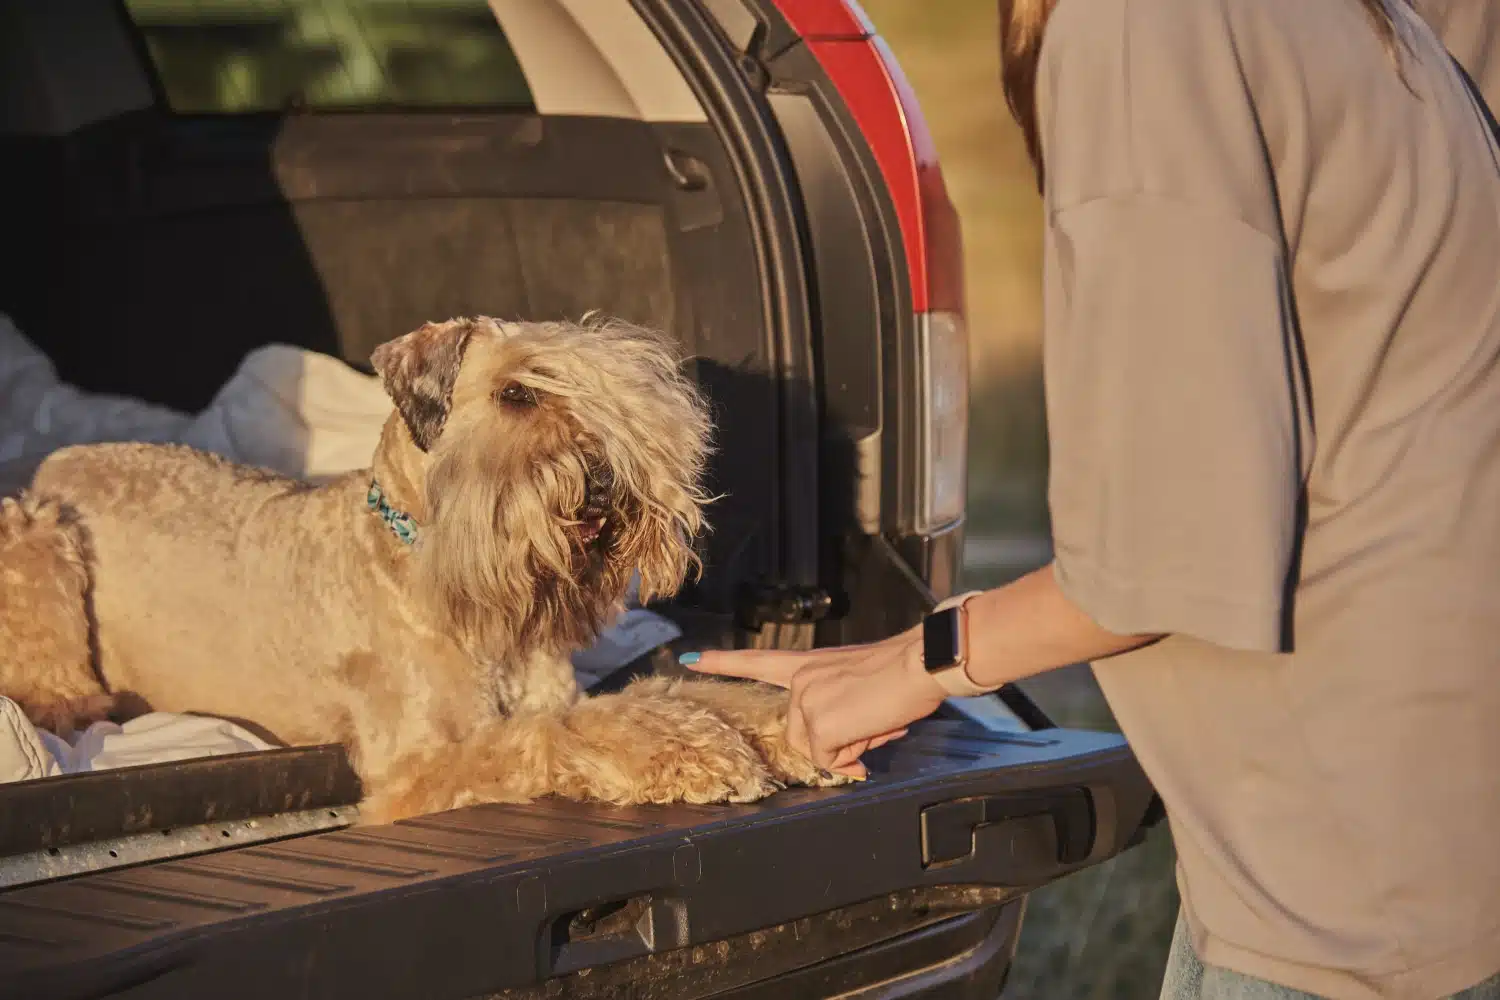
(253, 56)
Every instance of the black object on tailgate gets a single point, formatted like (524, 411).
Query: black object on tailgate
(481, 899)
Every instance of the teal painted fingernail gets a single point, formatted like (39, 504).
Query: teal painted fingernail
(690, 659)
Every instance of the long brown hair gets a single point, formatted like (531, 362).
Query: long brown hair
(1022, 24)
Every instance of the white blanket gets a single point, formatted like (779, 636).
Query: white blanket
(27, 752)
(296, 412)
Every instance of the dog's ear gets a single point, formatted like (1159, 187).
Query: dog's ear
(418, 371)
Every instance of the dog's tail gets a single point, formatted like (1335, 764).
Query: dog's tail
(46, 653)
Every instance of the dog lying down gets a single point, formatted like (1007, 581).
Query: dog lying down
(421, 612)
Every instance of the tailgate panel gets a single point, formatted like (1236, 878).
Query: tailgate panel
(494, 897)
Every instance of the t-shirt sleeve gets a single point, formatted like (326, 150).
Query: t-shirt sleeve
(1174, 395)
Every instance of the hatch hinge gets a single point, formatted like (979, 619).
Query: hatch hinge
(781, 604)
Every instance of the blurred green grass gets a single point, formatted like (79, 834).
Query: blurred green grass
(1104, 932)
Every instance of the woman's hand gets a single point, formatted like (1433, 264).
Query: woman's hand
(845, 701)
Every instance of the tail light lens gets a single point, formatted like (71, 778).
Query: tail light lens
(943, 378)
(865, 73)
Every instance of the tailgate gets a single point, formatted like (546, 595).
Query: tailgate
(493, 897)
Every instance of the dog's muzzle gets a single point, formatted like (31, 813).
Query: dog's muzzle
(593, 517)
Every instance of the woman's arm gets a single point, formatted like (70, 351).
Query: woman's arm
(849, 699)
(1029, 627)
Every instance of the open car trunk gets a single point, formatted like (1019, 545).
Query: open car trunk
(163, 245)
(623, 161)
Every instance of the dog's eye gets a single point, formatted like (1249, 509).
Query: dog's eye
(517, 394)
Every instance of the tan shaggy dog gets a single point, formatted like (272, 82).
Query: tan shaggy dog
(421, 612)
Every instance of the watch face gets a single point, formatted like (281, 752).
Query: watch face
(940, 639)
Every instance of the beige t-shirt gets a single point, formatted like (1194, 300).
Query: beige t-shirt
(1471, 31)
(1273, 389)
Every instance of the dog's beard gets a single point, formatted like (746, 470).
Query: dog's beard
(531, 548)
(496, 563)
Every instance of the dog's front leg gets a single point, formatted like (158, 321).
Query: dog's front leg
(506, 760)
(639, 747)
(630, 748)
(757, 711)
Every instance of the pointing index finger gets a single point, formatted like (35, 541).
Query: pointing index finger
(768, 665)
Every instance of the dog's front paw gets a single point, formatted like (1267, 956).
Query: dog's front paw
(758, 712)
(791, 767)
(639, 747)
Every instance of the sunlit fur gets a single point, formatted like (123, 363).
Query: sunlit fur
(1023, 25)
(43, 583)
(502, 561)
(541, 462)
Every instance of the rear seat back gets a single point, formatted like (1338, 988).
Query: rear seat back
(156, 250)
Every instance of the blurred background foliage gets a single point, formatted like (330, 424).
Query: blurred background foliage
(239, 56)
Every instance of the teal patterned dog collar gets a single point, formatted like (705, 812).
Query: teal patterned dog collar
(400, 523)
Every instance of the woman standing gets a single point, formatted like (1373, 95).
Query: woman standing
(1272, 352)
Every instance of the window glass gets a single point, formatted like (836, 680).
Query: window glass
(247, 56)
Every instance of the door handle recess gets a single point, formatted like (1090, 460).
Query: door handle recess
(1026, 837)
(616, 931)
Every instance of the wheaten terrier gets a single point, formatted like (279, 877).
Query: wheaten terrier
(421, 612)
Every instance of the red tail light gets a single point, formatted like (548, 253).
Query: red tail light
(871, 84)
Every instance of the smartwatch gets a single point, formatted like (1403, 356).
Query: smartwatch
(945, 647)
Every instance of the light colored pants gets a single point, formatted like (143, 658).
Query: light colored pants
(1188, 978)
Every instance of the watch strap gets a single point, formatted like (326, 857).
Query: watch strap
(957, 600)
(955, 679)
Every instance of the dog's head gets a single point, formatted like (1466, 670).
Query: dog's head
(560, 459)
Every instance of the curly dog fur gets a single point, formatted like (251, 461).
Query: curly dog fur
(541, 465)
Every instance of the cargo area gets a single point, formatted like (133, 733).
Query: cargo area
(197, 184)
(186, 195)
